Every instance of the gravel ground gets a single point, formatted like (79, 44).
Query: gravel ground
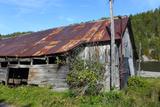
(149, 74)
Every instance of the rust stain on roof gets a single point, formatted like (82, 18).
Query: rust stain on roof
(43, 50)
(59, 40)
(53, 42)
(56, 31)
(69, 45)
(78, 27)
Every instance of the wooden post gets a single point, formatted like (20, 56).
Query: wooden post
(18, 60)
(7, 73)
(47, 60)
(31, 61)
(140, 59)
(7, 76)
(112, 72)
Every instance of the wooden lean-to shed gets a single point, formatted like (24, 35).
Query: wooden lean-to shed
(31, 58)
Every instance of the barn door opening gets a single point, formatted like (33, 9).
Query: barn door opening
(18, 76)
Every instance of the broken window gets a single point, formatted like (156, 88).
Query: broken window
(52, 60)
(56, 60)
(39, 61)
(4, 64)
(14, 62)
(25, 63)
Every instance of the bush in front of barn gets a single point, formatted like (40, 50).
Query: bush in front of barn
(85, 77)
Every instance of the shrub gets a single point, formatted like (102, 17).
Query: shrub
(85, 77)
(136, 82)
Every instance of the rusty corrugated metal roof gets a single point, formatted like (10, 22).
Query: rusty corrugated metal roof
(59, 40)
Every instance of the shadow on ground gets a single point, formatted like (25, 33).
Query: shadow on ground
(4, 104)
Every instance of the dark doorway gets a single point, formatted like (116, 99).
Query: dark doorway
(18, 76)
(125, 73)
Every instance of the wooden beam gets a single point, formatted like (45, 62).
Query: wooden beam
(25, 59)
(40, 58)
(2, 59)
(12, 59)
(31, 61)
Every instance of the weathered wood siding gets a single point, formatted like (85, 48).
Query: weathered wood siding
(127, 51)
(128, 59)
(3, 74)
(101, 53)
(52, 74)
(42, 75)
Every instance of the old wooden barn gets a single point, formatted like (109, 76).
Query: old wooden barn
(31, 58)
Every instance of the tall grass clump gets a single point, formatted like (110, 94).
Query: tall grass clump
(143, 92)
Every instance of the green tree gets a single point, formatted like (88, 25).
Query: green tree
(146, 29)
(15, 34)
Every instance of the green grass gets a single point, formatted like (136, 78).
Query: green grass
(141, 92)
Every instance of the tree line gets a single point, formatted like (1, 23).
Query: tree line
(14, 34)
(146, 30)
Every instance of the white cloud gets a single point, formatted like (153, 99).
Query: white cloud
(25, 3)
(68, 19)
(30, 3)
(25, 6)
(153, 3)
(147, 3)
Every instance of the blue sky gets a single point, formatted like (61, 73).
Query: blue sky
(35, 15)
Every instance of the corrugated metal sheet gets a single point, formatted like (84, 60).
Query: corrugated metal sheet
(59, 40)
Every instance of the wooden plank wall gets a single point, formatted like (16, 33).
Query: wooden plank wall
(51, 74)
(3, 74)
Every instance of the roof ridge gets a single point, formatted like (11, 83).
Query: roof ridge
(91, 21)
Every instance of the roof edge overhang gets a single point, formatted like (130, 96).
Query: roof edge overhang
(67, 51)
